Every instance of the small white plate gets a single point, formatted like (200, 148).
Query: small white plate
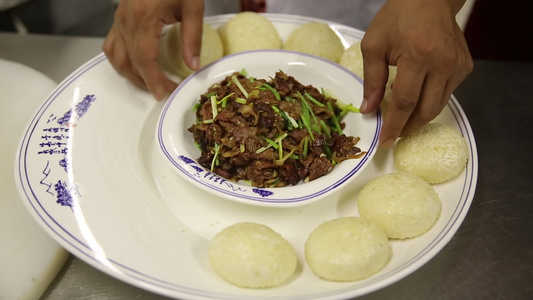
(177, 144)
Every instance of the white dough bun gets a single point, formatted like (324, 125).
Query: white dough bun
(252, 255)
(317, 39)
(347, 249)
(404, 205)
(211, 51)
(248, 31)
(436, 153)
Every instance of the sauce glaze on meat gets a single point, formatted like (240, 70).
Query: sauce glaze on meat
(270, 133)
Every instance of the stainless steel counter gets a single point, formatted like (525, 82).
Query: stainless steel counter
(490, 257)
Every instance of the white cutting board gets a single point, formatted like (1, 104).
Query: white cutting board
(29, 258)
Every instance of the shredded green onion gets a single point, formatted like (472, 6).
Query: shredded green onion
(244, 72)
(336, 124)
(215, 157)
(239, 85)
(242, 148)
(348, 108)
(305, 148)
(208, 121)
(325, 128)
(272, 143)
(306, 119)
(224, 100)
(291, 121)
(273, 90)
(310, 110)
(279, 138)
(282, 160)
(214, 107)
(196, 106)
(314, 100)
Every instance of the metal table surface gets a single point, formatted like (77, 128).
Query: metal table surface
(491, 255)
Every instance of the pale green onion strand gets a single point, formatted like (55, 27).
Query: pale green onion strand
(214, 107)
(325, 128)
(224, 100)
(273, 90)
(272, 143)
(306, 145)
(334, 119)
(239, 85)
(280, 149)
(217, 150)
(314, 100)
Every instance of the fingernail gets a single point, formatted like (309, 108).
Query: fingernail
(196, 63)
(363, 106)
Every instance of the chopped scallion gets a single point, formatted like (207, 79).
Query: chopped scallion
(214, 107)
(334, 119)
(239, 85)
(215, 157)
(314, 100)
(224, 100)
(325, 128)
(272, 143)
(305, 147)
(196, 106)
(273, 90)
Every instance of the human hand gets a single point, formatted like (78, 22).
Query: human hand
(132, 44)
(421, 38)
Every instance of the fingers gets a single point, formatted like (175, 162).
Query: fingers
(145, 60)
(114, 48)
(376, 71)
(408, 85)
(191, 32)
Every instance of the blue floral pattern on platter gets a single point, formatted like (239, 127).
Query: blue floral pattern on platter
(54, 143)
(200, 172)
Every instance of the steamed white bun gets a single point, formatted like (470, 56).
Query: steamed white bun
(435, 153)
(248, 31)
(252, 255)
(405, 206)
(347, 249)
(173, 57)
(316, 39)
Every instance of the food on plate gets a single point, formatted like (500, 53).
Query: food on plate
(315, 38)
(404, 205)
(271, 133)
(352, 59)
(347, 249)
(172, 56)
(252, 255)
(248, 31)
(436, 153)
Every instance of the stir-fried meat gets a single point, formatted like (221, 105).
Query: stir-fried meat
(271, 133)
